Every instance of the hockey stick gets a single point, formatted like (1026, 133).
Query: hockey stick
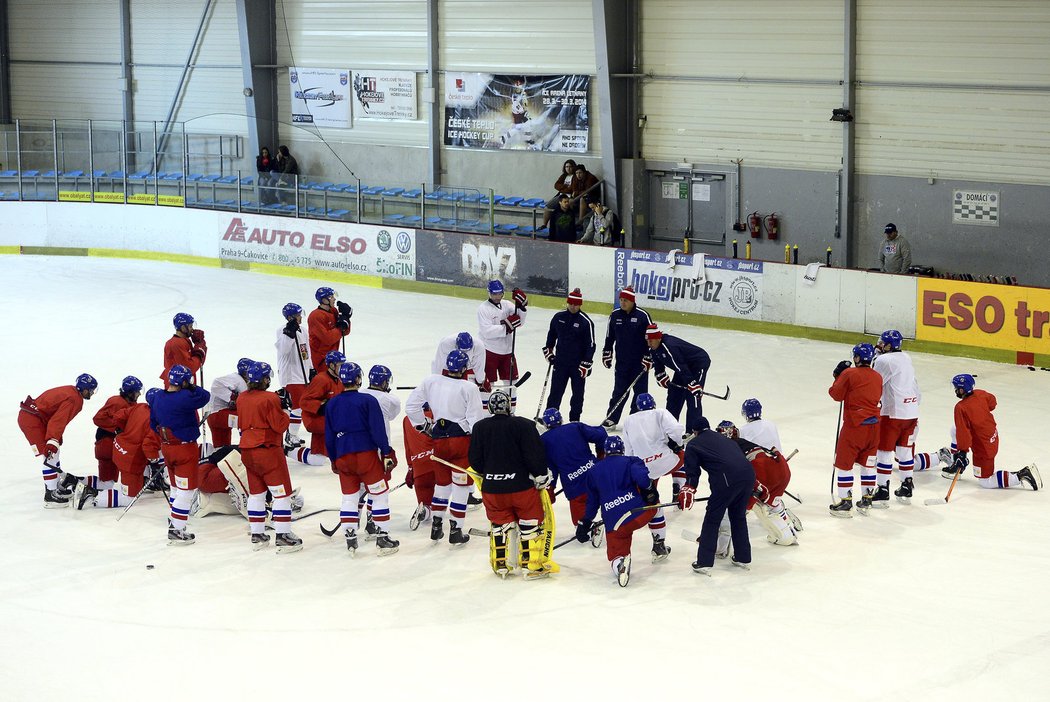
(838, 430)
(623, 397)
(314, 513)
(703, 392)
(667, 504)
(543, 391)
(565, 543)
(517, 383)
(331, 532)
(933, 501)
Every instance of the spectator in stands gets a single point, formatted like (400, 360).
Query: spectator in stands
(895, 252)
(584, 183)
(265, 165)
(563, 186)
(603, 226)
(563, 221)
(288, 168)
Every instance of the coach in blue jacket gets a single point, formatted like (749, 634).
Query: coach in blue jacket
(570, 349)
(689, 364)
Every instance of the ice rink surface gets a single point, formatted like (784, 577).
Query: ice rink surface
(914, 602)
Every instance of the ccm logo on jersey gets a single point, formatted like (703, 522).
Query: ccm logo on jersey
(653, 458)
(420, 456)
(908, 400)
(500, 476)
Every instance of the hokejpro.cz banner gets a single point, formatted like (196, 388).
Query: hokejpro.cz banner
(727, 287)
(327, 246)
(983, 315)
(473, 260)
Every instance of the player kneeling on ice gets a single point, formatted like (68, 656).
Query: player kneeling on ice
(263, 423)
(621, 487)
(356, 438)
(569, 456)
(975, 430)
(772, 476)
(507, 453)
(321, 389)
(111, 420)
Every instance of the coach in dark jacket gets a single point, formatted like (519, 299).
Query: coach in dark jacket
(688, 362)
(570, 349)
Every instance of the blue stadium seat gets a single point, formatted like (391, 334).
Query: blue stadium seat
(434, 220)
(496, 200)
(8, 174)
(337, 214)
(206, 202)
(412, 194)
(472, 198)
(117, 175)
(225, 203)
(30, 174)
(230, 179)
(372, 190)
(533, 202)
(543, 233)
(412, 221)
(195, 177)
(352, 189)
(506, 228)
(512, 201)
(392, 192)
(248, 181)
(320, 186)
(73, 174)
(210, 178)
(393, 218)
(172, 176)
(525, 231)
(338, 187)
(97, 174)
(452, 197)
(250, 205)
(434, 195)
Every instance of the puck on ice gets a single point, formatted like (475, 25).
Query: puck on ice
(149, 567)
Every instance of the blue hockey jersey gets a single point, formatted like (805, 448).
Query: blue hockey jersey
(614, 485)
(569, 454)
(176, 413)
(353, 422)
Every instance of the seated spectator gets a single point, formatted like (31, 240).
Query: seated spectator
(894, 252)
(603, 227)
(563, 221)
(563, 186)
(265, 165)
(584, 184)
(288, 167)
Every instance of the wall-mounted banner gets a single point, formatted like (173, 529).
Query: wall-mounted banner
(980, 207)
(534, 113)
(983, 315)
(384, 94)
(728, 287)
(320, 96)
(327, 246)
(472, 261)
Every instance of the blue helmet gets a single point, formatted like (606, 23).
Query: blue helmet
(728, 429)
(456, 361)
(291, 309)
(243, 365)
(551, 417)
(379, 375)
(891, 339)
(130, 384)
(464, 341)
(151, 394)
(182, 319)
(964, 382)
(323, 292)
(334, 357)
(645, 401)
(864, 353)
(350, 373)
(495, 287)
(751, 409)
(86, 381)
(178, 375)
(614, 446)
(257, 371)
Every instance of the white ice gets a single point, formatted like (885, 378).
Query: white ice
(933, 603)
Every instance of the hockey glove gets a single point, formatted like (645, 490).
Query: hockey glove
(51, 451)
(200, 352)
(548, 353)
(511, 323)
(410, 479)
(520, 298)
(650, 495)
(685, 497)
(695, 388)
(485, 386)
(291, 328)
(662, 379)
(286, 399)
(583, 531)
(674, 445)
(843, 365)
(585, 369)
(960, 462)
(390, 461)
(607, 359)
(760, 492)
(313, 374)
(233, 399)
(647, 363)
(342, 324)
(198, 337)
(542, 482)
(345, 310)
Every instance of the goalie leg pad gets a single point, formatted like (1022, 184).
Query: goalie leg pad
(498, 540)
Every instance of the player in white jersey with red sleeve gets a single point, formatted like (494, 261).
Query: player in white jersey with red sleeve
(455, 404)
(758, 431)
(900, 418)
(295, 367)
(475, 357)
(497, 321)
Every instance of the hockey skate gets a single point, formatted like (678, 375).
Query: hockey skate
(456, 537)
(502, 569)
(292, 442)
(903, 493)
(385, 546)
(84, 494)
(67, 483)
(180, 537)
(371, 530)
(660, 551)
(608, 425)
(796, 523)
(741, 564)
(701, 570)
(351, 541)
(622, 569)
(473, 502)
(53, 499)
(260, 541)
(842, 509)
(288, 543)
(880, 499)
(1029, 475)
(437, 529)
(946, 456)
(864, 503)
(421, 514)
(598, 535)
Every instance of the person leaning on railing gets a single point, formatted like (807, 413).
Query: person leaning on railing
(287, 166)
(563, 186)
(583, 184)
(603, 226)
(265, 165)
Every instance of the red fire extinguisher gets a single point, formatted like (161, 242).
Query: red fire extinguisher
(754, 225)
(772, 225)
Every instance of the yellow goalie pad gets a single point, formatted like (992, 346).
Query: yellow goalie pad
(537, 555)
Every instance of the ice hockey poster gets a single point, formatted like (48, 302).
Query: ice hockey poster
(320, 96)
(527, 113)
(725, 287)
(384, 94)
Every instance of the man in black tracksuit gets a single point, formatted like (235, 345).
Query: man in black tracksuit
(626, 333)
(689, 363)
(732, 480)
(510, 457)
(570, 349)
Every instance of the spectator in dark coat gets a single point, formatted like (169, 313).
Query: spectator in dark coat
(583, 184)
(563, 221)
(265, 165)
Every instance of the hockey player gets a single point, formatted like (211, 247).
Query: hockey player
(497, 321)
(456, 406)
(173, 416)
(43, 422)
(293, 364)
(570, 349)
(899, 418)
(688, 362)
(859, 389)
(772, 475)
(111, 419)
(757, 430)
(222, 409)
(732, 481)
(327, 325)
(507, 452)
(621, 487)
(419, 447)
(975, 430)
(186, 347)
(379, 378)
(625, 338)
(569, 456)
(476, 357)
(321, 389)
(361, 456)
(263, 423)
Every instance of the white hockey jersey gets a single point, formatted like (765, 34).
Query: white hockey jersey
(476, 356)
(222, 390)
(293, 358)
(453, 399)
(390, 404)
(646, 433)
(900, 389)
(492, 332)
(762, 432)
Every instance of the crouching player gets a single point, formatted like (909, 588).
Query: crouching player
(569, 457)
(772, 476)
